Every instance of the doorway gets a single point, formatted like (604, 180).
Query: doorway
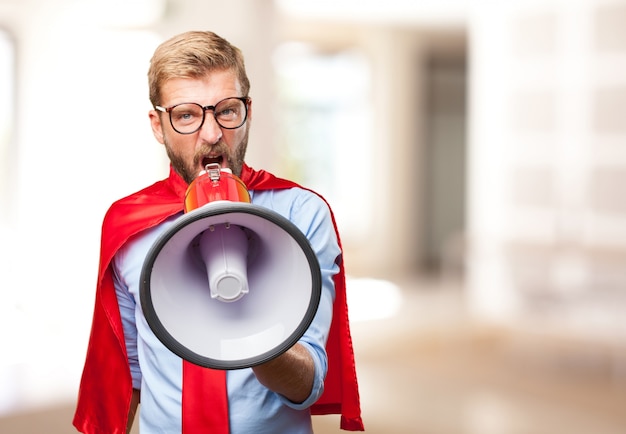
(445, 157)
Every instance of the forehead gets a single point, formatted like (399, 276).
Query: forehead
(205, 90)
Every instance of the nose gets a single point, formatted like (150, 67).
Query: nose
(210, 131)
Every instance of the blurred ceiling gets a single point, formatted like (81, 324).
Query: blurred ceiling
(424, 13)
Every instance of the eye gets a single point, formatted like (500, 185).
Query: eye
(227, 112)
(230, 113)
(186, 114)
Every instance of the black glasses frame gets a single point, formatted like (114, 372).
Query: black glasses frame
(244, 99)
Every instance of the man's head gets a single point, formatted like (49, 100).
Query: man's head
(204, 69)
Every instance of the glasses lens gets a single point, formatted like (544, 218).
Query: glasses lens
(231, 113)
(186, 118)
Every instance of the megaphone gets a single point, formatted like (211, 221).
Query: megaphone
(229, 284)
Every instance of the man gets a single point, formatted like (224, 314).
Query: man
(202, 115)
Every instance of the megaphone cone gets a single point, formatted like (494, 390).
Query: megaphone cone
(230, 284)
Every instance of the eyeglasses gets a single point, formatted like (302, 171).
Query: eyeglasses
(188, 117)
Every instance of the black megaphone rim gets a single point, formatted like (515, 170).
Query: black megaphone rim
(210, 210)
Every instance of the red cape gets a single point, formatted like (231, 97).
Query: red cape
(106, 386)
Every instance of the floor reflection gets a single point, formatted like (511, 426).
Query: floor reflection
(424, 367)
(430, 369)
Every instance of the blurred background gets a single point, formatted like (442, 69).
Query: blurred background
(474, 153)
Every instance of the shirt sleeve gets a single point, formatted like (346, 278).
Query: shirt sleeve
(312, 216)
(127, 305)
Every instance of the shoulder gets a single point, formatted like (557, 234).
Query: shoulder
(304, 208)
(137, 212)
(290, 200)
(142, 201)
(140, 196)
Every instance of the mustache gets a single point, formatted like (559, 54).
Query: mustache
(217, 148)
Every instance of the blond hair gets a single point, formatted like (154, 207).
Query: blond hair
(193, 55)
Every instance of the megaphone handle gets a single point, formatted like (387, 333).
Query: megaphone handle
(224, 250)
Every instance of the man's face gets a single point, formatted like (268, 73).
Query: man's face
(190, 153)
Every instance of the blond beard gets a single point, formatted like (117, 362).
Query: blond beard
(189, 172)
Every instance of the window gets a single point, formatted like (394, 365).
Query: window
(325, 119)
(7, 118)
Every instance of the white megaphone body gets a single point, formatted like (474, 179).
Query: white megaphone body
(229, 284)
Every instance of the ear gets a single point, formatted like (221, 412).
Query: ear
(157, 126)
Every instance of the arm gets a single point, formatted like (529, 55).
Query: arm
(127, 305)
(291, 374)
(300, 372)
(298, 375)
(134, 403)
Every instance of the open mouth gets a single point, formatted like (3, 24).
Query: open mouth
(212, 160)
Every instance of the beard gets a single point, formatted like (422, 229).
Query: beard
(188, 170)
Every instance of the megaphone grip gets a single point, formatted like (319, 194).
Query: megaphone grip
(224, 250)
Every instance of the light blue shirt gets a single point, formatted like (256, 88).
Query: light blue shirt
(253, 408)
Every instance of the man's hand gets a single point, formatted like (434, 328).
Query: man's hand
(134, 403)
(291, 374)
